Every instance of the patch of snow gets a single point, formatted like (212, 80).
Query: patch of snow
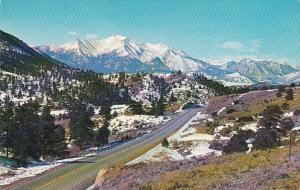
(288, 114)
(221, 110)
(186, 134)
(119, 109)
(250, 126)
(124, 123)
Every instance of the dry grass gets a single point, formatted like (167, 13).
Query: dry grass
(292, 182)
(254, 109)
(229, 168)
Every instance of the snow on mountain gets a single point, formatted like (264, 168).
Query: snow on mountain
(119, 53)
(259, 71)
(291, 78)
(236, 78)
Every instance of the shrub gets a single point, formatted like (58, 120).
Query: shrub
(217, 145)
(297, 112)
(289, 94)
(266, 138)
(165, 142)
(238, 143)
(214, 114)
(236, 102)
(285, 106)
(245, 119)
(211, 127)
(229, 111)
(225, 131)
(281, 89)
(278, 94)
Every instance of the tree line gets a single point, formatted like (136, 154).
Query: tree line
(27, 133)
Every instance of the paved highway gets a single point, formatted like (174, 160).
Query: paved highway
(81, 174)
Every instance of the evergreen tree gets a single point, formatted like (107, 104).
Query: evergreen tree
(6, 123)
(266, 138)
(136, 107)
(158, 108)
(165, 142)
(20, 94)
(238, 143)
(173, 98)
(81, 126)
(25, 132)
(102, 134)
(52, 136)
(289, 94)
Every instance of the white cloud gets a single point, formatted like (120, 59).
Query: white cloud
(72, 33)
(233, 45)
(254, 45)
(91, 36)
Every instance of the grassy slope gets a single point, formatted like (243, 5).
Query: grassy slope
(230, 168)
(257, 108)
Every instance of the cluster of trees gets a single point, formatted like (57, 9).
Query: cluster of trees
(289, 93)
(83, 131)
(272, 127)
(27, 135)
(158, 107)
(218, 87)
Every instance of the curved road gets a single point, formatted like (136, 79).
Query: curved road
(81, 174)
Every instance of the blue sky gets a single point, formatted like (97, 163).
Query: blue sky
(212, 30)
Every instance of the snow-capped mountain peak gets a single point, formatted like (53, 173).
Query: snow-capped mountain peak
(118, 53)
(115, 50)
(79, 47)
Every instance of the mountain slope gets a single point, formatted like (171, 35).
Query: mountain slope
(259, 71)
(236, 79)
(291, 78)
(16, 56)
(119, 53)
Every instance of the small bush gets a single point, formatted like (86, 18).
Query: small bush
(285, 106)
(225, 131)
(229, 111)
(278, 94)
(165, 142)
(297, 112)
(289, 94)
(238, 143)
(245, 119)
(214, 114)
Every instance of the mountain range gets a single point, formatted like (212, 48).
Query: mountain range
(119, 53)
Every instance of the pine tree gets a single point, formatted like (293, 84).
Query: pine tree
(136, 107)
(158, 108)
(52, 136)
(165, 142)
(173, 98)
(6, 122)
(81, 126)
(102, 134)
(25, 132)
(289, 94)
(20, 94)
